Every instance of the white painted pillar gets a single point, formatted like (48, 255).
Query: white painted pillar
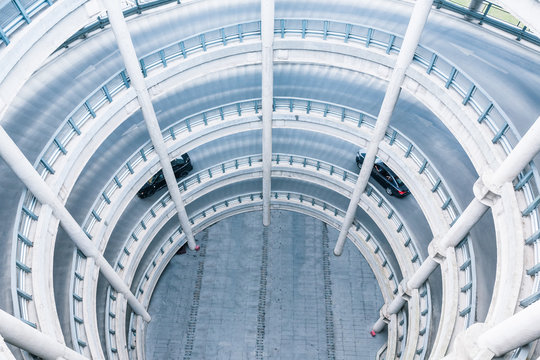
(22, 335)
(520, 156)
(518, 330)
(410, 42)
(5, 353)
(16, 160)
(267, 36)
(125, 44)
(517, 160)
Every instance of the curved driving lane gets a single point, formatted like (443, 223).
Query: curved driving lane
(499, 65)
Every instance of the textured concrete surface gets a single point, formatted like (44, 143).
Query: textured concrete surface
(275, 293)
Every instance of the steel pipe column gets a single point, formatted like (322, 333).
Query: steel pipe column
(16, 160)
(125, 44)
(15, 332)
(487, 186)
(410, 42)
(267, 37)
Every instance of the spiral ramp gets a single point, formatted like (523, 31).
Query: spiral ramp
(272, 101)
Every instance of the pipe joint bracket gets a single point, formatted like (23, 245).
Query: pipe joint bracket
(485, 190)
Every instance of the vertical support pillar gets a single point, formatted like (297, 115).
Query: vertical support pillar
(127, 50)
(410, 42)
(16, 160)
(518, 330)
(267, 36)
(15, 332)
(5, 353)
(485, 189)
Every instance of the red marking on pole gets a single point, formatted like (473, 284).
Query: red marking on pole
(373, 333)
(197, 248)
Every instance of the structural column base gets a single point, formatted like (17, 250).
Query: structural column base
(466, 345)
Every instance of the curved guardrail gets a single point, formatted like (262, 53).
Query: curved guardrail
(212, 173)
(176, 240)
(452, 78)
(16, 13)
(330, 111)
(132, 7)
(487, 15)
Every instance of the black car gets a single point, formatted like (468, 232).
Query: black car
(384, 176)
(181, 167)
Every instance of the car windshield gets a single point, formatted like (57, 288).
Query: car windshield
(156, 177)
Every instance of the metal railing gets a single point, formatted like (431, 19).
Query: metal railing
(486, 15)
(494, 15)
(97, 215)
(176, 240)
(16, 13)
(330, 111)
(453, 79)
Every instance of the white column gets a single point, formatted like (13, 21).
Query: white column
(267, 35)
(519, 157)
(410, 42)
(22, 335)
(16, 160)
(5, 353)
(518, 330)
(125, 44)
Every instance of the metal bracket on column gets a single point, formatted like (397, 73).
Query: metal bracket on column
(385, 316)
(485, 190)
(466, 345)
(404, 291)
(436, 251)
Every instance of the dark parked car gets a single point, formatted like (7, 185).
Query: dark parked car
(181, 167)
(384, 176)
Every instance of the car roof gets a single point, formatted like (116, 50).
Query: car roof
(362, 152)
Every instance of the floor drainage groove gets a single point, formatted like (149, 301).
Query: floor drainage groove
(192, 325)
(329, 314)
(261, 316)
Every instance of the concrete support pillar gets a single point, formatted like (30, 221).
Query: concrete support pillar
(521, 155)
(486, 190)
(410, 42)
(16, 160)
(483, 341)
(475, 5)
(267, 35)
(5, 353)
(125, 44)
(518, 330)
(15, 332)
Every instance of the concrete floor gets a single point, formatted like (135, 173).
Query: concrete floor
(275, 293)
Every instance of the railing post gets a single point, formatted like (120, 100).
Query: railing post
(488, 7)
